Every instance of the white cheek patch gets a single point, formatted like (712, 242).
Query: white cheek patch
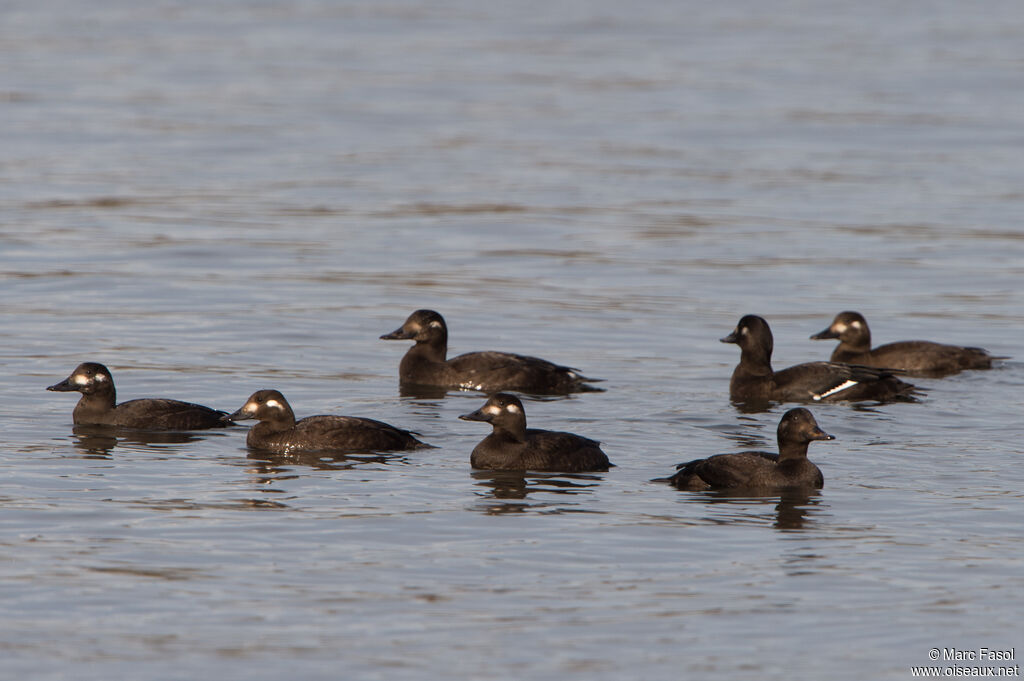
(839, 388)
(435, 324)
(491, 409)
(855, 324)
(79, 379)
(273, 404)
(840, 328)
(513, 408)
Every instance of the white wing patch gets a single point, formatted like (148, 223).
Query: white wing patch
(839, 388)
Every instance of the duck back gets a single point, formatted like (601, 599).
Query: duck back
(540, 450)
(156, 414)
(332, 433)
(746, 470)
(918, 357)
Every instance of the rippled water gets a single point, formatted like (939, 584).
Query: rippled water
(213, 198)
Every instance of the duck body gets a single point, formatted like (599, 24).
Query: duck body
(753, 379)
(98, 405)
(747, 470)
(278, 431)
(924, 358)
(790, 468)
(426, 364)
(513, 446)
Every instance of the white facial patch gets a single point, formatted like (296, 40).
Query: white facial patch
(491, 409)
(839, 388)
(840, 327)
(435, 324)
(513, 408)
(856, 324)
(273, 404)
(80, 379)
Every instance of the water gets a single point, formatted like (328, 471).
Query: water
(213, 198)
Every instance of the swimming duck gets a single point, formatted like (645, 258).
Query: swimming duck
(760, 470)
(513, 446)
(426, 364)
(915, 356)
(98, 405)
(279, 432)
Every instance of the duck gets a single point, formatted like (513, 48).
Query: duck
(426, 364)
(788, 469)
(98, 405)
(916, 357)
(513, 446)
(754, 380)
(278, 431)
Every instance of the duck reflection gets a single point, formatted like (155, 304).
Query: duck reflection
(422, 392)
(512, 490)
(434, 394)
(273, 462)
(792, 508)
(98, 442)
(753, 406)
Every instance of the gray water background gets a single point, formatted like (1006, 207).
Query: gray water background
(213, 198)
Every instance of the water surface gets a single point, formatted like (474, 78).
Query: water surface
(217, 198)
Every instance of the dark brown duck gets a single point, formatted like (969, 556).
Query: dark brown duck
(98, 405)
(513, 446)
(278, 431)
(915, 356)
(763, 471)
(427, 364)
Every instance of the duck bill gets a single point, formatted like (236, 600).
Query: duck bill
(65, 386)
(731, 338)
(243, 414)
(827, 334)
(398, 334)
(477, 415)
(820, 434)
